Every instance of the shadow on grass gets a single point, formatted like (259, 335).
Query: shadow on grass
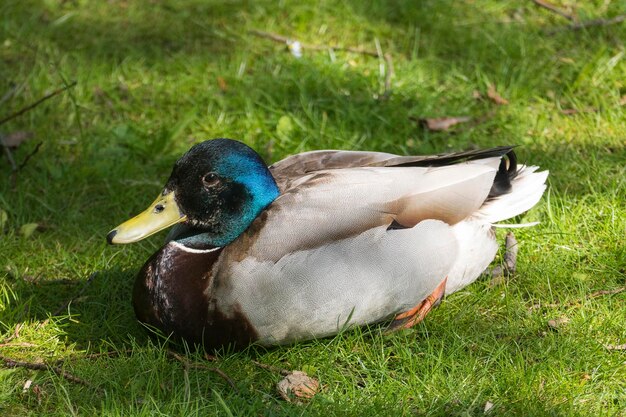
(87, 312)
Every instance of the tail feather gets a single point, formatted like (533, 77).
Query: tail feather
(527, 187)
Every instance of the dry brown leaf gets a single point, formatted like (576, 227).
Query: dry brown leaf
(221, 83)
(39, 392)
(558, 323)
(477, 95)
(615, 347)
(622, 101)
(15, 139)
(443, 123)
(297, 386)
(495, 97)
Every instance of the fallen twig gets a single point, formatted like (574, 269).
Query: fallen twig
(39, 366)
(598, 22)
(576, 25)
(36, 103)
(221, 373)
(17, 344)
(30, 155)
(607, 292)
(554, 9)
(16, 169)
(194, 365)
(314, 47)
(272, 368)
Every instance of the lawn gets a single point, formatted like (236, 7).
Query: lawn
(154, 77)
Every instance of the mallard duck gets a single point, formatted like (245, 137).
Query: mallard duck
(318, 241)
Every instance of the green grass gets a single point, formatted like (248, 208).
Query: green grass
(147, 88)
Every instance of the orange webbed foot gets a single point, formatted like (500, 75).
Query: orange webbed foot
(415, 315)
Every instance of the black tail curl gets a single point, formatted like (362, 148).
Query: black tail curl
(507, 171)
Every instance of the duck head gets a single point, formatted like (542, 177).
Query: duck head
(217, 189)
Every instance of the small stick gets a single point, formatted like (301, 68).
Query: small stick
(272, 368)
(221, 373)
(598, 22)
(188, 364)
(17, 344)
(607, 292)
(11, 363)
(554, 9)
(36, 103)
(15, 169)
(30, 155)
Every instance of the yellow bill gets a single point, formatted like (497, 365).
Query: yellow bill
(161, 214)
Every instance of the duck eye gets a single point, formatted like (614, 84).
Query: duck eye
(211, 179)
